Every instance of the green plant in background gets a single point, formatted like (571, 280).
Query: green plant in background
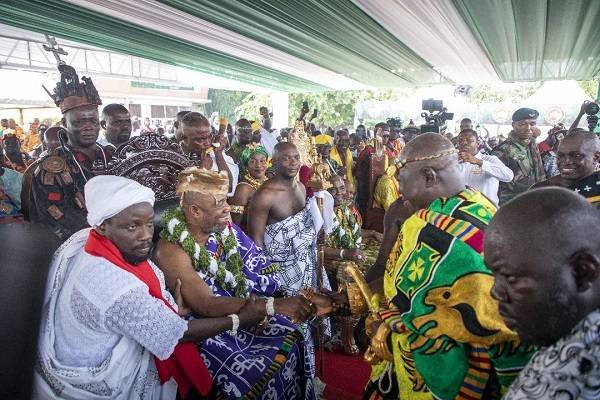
(224, 102)
(251, 104)
(590, 88)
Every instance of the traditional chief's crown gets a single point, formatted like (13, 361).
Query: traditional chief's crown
(202, 180)
(69, 93)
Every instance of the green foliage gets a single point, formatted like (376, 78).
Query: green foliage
(590, 88)
(224, 102)
(336, 108)
(250, 105)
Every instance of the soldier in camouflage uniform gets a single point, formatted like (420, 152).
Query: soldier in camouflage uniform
(520, 153)
(56, 192)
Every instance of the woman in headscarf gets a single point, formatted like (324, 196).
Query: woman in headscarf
(253, 163)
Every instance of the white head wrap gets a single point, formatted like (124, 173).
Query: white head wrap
(108, 195)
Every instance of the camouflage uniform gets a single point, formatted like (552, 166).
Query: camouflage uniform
(524, 161)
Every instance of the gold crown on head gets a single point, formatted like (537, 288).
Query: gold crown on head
(203, 181)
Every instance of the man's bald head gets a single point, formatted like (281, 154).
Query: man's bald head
(544, 251)
(286, 160)
(426, 145)
(428, 169)
(281, 148)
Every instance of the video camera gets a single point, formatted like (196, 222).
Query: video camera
(395, 124)
(592, 110)
(435, 122)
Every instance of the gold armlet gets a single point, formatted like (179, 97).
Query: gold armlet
(237, 209)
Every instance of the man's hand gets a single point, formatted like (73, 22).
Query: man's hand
(323, 304)
(353, 254)
(182, 309)
(584, 106)
(314, 114)
(252, 312)
(222, 140)
(470, 158)
(304, 109)
(296, 307)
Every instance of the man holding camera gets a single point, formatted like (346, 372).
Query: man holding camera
(590, 108)
(520, 153)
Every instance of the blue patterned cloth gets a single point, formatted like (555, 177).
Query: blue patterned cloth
(10, 195)
(271, 364)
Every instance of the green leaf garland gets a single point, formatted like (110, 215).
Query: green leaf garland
(346, 231)
(229, 274)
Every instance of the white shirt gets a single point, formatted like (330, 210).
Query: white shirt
(268, 140)
(233, 168)
(487, 177)
(100, 328)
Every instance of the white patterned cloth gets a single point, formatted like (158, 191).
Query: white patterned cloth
(569, 369)
(100, 330)
(292, 243)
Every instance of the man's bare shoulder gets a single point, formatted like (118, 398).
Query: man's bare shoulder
(269, 188)
(167, 254)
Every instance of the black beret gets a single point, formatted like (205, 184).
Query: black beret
(525, 113)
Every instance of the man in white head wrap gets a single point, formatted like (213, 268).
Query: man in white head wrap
(110, 330)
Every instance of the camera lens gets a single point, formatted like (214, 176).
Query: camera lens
(592, 109)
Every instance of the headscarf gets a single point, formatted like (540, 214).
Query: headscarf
(108, 195)
(251, 151)
(323, 139)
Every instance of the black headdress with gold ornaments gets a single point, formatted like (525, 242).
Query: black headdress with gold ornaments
(70, 93)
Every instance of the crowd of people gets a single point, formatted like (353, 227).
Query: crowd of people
(479, 259)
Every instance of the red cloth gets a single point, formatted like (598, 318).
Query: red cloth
(185, 364)
(304, 176)
(544, 147)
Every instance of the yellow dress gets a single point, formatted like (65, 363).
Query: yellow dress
(387, 189)
(334, 155)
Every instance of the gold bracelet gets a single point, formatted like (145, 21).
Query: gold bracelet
(307, 293)
(237, 209)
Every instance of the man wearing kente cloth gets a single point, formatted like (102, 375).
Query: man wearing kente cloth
(56, 195)
(578, 157)
(218, 268)
(285, 224)
(447, 338)
(110, 329)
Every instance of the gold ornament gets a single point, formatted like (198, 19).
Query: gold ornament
(378, 350)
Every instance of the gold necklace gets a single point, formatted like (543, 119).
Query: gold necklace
(255, 183)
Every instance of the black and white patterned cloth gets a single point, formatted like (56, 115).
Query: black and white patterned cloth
(292, 243)
(567, 370)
